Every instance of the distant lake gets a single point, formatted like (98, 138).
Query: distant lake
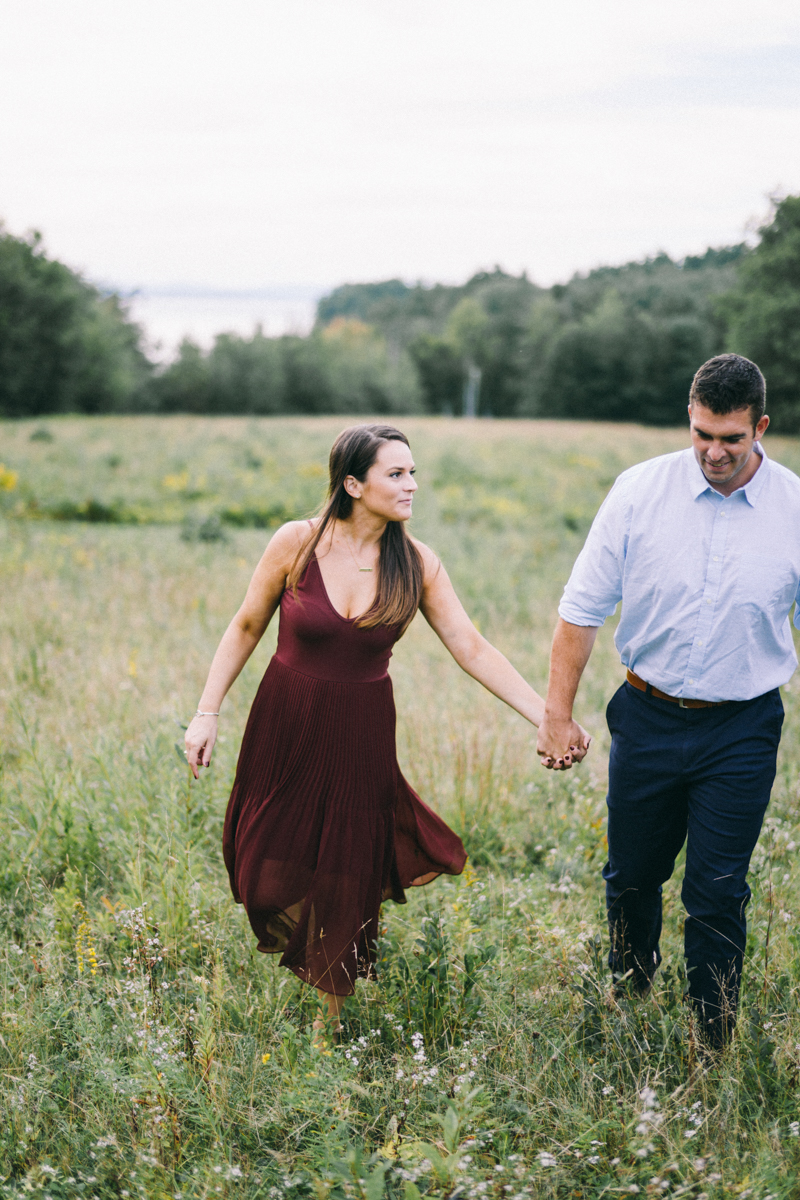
(170, 314)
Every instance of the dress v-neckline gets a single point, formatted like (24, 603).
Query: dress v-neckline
(331, 605)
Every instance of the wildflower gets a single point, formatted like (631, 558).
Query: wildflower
(546, 1159)
(794, 1129)
(265, 1058)
(84, 950)
(8, 479)
(176, 483)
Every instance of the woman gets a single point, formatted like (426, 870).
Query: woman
(321, 826)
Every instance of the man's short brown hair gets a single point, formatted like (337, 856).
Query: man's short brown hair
(728, 383)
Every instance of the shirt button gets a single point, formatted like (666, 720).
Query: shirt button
(699, 643)
(691, 681)
(708, 601)
(716, 558)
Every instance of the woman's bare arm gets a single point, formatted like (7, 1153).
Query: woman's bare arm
(445, 614)
(242, 636)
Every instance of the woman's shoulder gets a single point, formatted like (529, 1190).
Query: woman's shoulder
(288, 540)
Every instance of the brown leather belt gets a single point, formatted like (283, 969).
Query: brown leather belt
(641, 686)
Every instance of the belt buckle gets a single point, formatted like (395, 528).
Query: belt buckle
(681, 702)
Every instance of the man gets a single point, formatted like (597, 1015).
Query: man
(703, 549)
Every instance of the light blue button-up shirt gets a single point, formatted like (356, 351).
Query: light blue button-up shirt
(706, 581)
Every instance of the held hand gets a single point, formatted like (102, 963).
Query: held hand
(561, 743)
(200, 738)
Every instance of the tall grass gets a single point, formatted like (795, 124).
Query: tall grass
(147, 1050)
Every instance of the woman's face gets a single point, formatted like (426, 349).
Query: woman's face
(389, 486)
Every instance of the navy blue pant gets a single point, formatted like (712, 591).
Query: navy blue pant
(702, 776)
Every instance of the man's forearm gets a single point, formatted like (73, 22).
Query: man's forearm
(572, 646)
(559, 735)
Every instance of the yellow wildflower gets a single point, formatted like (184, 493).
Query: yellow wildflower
(176, 483)
(8, 479)
(85, 952)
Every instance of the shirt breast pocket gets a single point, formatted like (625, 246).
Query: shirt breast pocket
(767, 581)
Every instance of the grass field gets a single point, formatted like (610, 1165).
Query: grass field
(146, 1050)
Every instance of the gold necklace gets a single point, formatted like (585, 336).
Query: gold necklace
(352, 555)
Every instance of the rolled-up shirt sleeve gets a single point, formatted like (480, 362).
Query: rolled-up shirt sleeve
(594, 588)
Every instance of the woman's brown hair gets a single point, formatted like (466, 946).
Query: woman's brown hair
(400, 571)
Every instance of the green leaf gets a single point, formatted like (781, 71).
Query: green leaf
(451, 1126)
(377, 1182)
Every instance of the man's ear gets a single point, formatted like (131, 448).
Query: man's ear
(761, 428)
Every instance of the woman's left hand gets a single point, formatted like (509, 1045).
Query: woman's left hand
(200, 739)
(576, 751)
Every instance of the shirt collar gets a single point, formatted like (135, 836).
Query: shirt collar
(698, 484)
(752, 489)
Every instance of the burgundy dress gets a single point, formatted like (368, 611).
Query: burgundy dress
(321, 825)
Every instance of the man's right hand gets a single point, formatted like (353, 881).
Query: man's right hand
(561, 740)
(561, 743)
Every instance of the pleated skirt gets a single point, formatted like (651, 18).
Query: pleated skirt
(321, 826)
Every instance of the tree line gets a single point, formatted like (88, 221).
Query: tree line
(619, 343)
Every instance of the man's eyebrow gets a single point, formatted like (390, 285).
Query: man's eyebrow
(726, 437)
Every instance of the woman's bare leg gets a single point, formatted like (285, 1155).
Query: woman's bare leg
(331, 1011)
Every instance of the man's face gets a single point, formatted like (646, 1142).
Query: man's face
(723, 443)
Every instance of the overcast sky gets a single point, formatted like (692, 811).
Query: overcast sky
(257, 143)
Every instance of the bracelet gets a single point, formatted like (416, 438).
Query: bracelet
(200, 713)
